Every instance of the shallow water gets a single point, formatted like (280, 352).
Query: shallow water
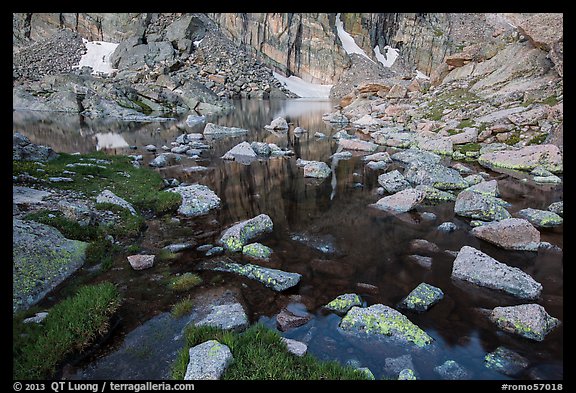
(345, 243)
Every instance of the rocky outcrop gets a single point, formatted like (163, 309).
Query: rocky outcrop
(42, 259)
(478, 268)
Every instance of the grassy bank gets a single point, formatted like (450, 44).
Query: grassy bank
(71, 326)
(259, 354)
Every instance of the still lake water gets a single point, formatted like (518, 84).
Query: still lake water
(346, 243)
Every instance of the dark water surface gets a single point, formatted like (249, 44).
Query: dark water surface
(323, 230)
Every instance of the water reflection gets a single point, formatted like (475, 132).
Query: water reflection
(366, 246)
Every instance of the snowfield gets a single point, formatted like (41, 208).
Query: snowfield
(302, 88)
(97, 56)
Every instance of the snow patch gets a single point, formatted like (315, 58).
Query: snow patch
(197, 43)
(97, 56)
(420, 75)
(302, 88)
(387, 59)
(348, 42)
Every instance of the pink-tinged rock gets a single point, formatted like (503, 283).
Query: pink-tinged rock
(526, 320)
(286, 320)
(543, 29)
(510, 234)
(357, 144)
(400, 202)
(397, 91)
(141, 262)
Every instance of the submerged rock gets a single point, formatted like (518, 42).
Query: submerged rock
(237, 236)
(451, 370)
(229, 316)
(197, 200)
(505, 361)
(541, 218)
(526, 320)
(208, 361)
(379, 320)
(343, 303)
(42, 258)
(510, 234)
(275, 279)
(422, 297)
(478, 268)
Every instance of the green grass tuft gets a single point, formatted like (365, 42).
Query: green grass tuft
(185, 282)
(182, 308)
(259, 354)
(71, 326)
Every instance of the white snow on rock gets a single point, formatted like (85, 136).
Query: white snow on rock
(302, 88)
(97, 56)
(421, 75)
(348, 42)
(109, 140)
(387, 59)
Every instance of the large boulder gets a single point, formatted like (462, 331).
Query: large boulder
(317, 169)
(379, 320)
(510, 234)
(242, 153)
(197, 200)
(227, 316)
(278, 123)
(42, 259)
(541, 218)
(435, 175)
(525, 159)
(214, 129)
(526, 320)
(478, 268)
(393, 181)
(208, 361)
(242, 233)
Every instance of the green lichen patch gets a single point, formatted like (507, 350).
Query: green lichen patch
(379, 320)
(422, 297)
(257, 251)
(343, 303)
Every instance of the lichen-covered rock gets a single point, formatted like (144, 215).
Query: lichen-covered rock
(541, 218)
(478, 268)
(214, 129)
(434, 194)
(401, 201)
(381, 156)
(451, 370)
(108, 196)
(379, 320)
(435, 175)
(393, 181)
(42, 258)
(557, 207)
(510, 234)
(485, 188)
(317, 169)
(141, 262)
(208, 361)
(422, 297)
(416, 157)
(275, 279)
(24, 149)
(482, 207)
(343, 303)
(197, 200)
(257, 251)
(526, 320)
(407, 375)
(505, 361)
(237, 236)
(525, 159)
